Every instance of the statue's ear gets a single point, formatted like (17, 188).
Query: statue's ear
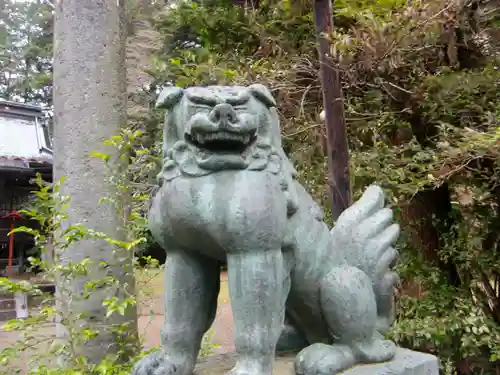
(167, 99)
(169, 96)
(263, 94)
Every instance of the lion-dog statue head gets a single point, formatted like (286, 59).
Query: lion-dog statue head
(214, 128)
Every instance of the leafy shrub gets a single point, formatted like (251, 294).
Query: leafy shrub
(46, 353)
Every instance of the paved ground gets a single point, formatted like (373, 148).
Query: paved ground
(151, 320)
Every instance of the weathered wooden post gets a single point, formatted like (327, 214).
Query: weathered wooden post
(333, 104)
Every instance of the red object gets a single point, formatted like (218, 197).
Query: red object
(11, 251)
(14, 215)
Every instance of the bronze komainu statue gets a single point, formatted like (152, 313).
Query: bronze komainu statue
(228, 193)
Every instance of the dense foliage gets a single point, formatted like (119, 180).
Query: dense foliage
(421, 82)
(26, 57)
(421, 86)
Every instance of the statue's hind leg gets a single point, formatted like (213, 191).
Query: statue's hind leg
(292, 339)
(349, 308)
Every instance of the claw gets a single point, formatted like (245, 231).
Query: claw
(154, 364)
(163, 370)
(323, 359)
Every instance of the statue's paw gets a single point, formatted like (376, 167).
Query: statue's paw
(378, 350)
(240, 371)
(250, 368)
(155, 363)
(323, 359)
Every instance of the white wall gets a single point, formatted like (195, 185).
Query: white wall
(18, 138)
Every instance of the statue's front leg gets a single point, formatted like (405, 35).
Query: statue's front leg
(258, 287)
(192, 284)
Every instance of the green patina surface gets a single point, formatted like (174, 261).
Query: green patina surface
(228, 193)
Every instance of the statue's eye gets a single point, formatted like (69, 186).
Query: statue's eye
(201, 106)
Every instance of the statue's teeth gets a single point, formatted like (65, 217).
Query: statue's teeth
(223, 136)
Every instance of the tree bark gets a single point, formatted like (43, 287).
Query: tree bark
(90, 107)
(333, 104)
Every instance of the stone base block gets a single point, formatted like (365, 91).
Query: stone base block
(406, 362)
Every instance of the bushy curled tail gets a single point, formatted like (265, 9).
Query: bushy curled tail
(363, 237)
(384, 281)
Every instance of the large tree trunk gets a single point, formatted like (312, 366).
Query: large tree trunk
(90, 107)
(142, 41)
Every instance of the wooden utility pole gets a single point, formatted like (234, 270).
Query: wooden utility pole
(333, 104)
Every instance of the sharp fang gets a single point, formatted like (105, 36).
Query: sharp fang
(222, 136)
(200, 139)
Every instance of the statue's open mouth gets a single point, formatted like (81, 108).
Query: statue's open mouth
(222, 142)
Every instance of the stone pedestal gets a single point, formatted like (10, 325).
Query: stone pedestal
(406, 362)
(21, 305)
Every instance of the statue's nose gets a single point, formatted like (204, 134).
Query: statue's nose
(223, 113)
